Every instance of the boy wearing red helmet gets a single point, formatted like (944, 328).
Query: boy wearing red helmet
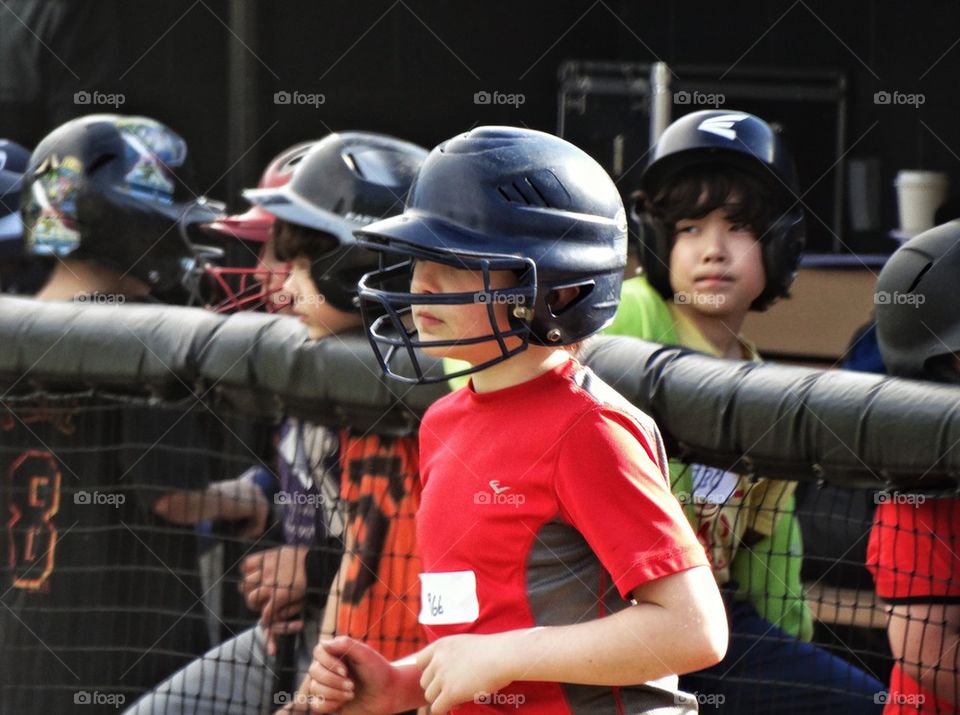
(249, 236)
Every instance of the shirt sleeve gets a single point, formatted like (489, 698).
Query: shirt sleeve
(611, 489)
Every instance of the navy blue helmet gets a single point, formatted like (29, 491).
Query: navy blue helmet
(502, 198)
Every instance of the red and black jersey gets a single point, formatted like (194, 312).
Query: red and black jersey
(546, 503)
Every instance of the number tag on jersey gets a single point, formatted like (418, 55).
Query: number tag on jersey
(713, 486)
(448, 598)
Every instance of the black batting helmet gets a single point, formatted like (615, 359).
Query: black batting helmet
(737, 140)
(918, 306)
(347, 180)
(115, 190)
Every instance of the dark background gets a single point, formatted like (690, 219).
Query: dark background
(412, 68)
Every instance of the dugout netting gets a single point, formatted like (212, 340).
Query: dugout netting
(127, 538)
(124, 430)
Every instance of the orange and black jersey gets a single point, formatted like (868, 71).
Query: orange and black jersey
(378, 592)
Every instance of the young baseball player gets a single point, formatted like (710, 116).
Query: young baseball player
(124, 237)
(248, 238)
(719, 235)
(558, 571)
(355, 178)
(915, 540)
(337, 186)
(100, 584)
(374, 593)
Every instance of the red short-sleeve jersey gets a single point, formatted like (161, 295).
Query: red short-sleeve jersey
(913, 549)
(545, 503)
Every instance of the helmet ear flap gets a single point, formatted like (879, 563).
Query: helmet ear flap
(652, 240)
(782, 248)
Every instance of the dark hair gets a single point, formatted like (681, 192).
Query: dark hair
(292, 241)
(699, 190)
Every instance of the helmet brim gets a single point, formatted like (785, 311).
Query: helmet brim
(432, 234)
(252, 225)
(663, 171)
(288, 206)
(190, 213)
(429, 233)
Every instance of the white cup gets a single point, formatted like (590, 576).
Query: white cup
(919, 195)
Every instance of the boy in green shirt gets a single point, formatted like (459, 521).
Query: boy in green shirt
(721, 234)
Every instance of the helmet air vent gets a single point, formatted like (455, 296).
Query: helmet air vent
(525, 190)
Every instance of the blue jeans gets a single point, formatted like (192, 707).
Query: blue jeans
(766, 670)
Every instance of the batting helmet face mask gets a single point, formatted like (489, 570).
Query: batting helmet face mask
(501, 199)
(113, 189)
(917, 298)
(347, 180)
(741, 142)
(249, 276)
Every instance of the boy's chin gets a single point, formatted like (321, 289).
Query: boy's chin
(710, 310)
(719, 304)
(456, 352)
(475, 353)
(451, 352)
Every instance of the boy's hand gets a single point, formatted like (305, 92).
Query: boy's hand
(241, 500)
(274, 582)
(458, 669)
(350, 677)
(283, 628)
(238, 500)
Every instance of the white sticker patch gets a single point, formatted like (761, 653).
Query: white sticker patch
(712, 485)
(448, 598)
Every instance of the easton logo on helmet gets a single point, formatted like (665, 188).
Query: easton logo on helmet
(723, 126)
